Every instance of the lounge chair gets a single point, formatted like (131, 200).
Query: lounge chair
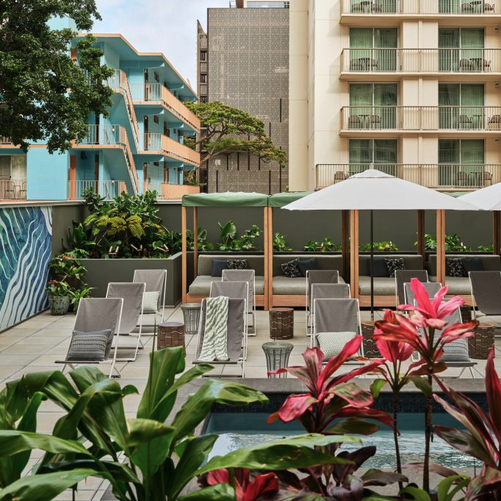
(335, 322)
(317, 277)
(404, 276)
(248, 276)
(486, 294)
(236, 334)
(96, 324)
(431, 287)
(328, 291)
(156, 282)
(132, 294)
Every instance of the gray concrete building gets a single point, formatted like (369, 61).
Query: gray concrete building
(243, 61)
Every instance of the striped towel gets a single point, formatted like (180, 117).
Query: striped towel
(215, 342)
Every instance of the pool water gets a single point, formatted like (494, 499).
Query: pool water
(239, 430)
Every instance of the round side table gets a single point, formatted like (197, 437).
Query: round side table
(281, 323)
(277, 356)
(191, 314)
(170, 335)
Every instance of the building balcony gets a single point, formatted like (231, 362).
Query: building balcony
(156, 143)
(472, 64)
(107, 189)
(12, 189)
(177, 191)
(386, 12)
(157, 93)
(443, 177)
(356, 121)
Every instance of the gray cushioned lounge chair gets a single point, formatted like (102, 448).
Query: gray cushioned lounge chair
(317, 277)
(250, 277)
(486, 293)
(404, 276)
(156, 281)
(96, 315)
(431, 287)
(132, 294)
(236, 334)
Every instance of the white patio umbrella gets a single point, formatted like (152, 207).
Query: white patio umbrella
(374, 190)
(486, 199)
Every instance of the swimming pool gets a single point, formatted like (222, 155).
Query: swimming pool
(237, 430)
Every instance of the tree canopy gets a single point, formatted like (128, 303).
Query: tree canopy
(229, 130)
(44, 95)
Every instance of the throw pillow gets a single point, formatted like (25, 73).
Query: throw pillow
(332, 343)
(218, 265)
(379, 269)
(454, 267)
(237, 264)
(291, 269)
(473, 264)
(393, 264)
(457, 351)
(307, 264)
(89, 346)
(150, 301)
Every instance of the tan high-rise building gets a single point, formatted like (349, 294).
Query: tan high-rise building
(243, 62)
(411, 87)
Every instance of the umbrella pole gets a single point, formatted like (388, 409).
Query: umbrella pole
(372, 265)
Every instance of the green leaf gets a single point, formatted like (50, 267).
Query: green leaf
(353, 425)
(415, 493)
(444, 492)
(421, 384)
(219, 492)
(377, 386)
(43, 487)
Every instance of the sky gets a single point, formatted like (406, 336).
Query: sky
(168, 26)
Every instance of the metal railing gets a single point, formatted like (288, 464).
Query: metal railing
(445, 7)
(421, 118)
(157, 142)
(13, 189)
(108, 189)
(5, 140)
(371, 60)
(157, 92)
(437, 176)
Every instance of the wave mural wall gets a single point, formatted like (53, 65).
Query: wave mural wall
(25, 252)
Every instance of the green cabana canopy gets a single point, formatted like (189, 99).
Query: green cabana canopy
(281, 199)
(226, 200)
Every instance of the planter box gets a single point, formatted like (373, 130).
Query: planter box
(176, 191)
(102, 271)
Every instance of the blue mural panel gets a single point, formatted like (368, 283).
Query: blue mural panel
(25, 252)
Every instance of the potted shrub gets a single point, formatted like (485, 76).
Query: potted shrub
(59, 293)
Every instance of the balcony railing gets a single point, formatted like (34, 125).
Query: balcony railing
(446, 7)
(108, 189)
(156, 142)
(437, 176)
(5, 140)
(12, 189)
(421, 118)
(382, 60)
(157, 92)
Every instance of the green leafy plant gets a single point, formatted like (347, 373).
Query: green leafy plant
(247, 240)
(58, 288)
(384, 246)
(453, 243)
(203, 244)
(486, 248)
(77, 294)
(228, 235)
(65, 267)
(230, 240)
(279, 244)
(327, 245)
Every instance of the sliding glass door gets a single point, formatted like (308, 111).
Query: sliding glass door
(461, 162)
(461, 106)
(461, 49)
(380, 154)
(373, 106)
(373, 49)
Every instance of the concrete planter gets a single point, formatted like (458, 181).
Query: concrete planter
(102, 271)
(59, 305)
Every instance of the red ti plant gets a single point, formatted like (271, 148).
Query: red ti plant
(482, 437)
(427, 331)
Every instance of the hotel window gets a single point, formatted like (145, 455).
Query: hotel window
(461, 49)
(373, 49)
(380, 154)
(461, 106)
(373, 106)
(461, 161)
(203, 55)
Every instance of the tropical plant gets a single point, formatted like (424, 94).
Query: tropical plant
(486, 248)
(77, 294)
(326, 245)
(65, 267)
(58, 288)
(230, 240)
(385, 246)
(279, 244)
(453, 243)
(427, 332)
(228, 235)
(247, 240)
(203, 244)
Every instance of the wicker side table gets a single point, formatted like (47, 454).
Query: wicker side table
(191, 315)
(277, 356)
(170, 335)
(281, 323)
(480, 345)
(370, 348)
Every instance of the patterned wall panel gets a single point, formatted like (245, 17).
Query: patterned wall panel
(25, 251)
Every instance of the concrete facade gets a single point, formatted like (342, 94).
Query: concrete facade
(435, 62)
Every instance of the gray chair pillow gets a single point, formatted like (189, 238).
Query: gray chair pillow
(150, 301)
(89, 346)
(332, 343)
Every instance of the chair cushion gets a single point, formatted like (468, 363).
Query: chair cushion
(218, 265)
(382, 286)
(201, 285)
(291, 269)
(332, 343)
(379, 269)
(284, 286)
(454, 267)
(307, 264)
(473, 264)
(150, 301)
(89, 346)
(457, 351)
(237, 264)
(393, 264)
(457, 285)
